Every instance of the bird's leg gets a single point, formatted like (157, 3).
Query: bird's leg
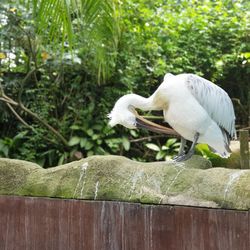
(181, 151)
(191, 150)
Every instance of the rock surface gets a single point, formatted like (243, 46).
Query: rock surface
(193, 182)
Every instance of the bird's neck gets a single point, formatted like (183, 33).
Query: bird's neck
(141, 102)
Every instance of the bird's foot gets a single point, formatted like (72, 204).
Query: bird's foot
(178, 156)
(183, 157)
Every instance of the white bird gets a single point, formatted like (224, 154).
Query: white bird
(197, 109)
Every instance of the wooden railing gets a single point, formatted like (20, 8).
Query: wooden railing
(50, 224)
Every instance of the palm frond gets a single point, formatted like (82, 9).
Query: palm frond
(54, 17)
(59, 20)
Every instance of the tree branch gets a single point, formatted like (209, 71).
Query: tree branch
(246, 128)
(45, 124)
(151, 137)
(18, 116)
(9, 101)
(25, 80)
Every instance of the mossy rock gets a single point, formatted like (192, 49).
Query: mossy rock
(193, 182)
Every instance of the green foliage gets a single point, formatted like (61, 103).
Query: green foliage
(165, 151)
(203, 149)
(128, 46)
(10, 146)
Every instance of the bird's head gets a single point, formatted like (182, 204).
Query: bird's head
(123, 113)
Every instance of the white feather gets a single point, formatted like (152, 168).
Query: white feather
(214, 100)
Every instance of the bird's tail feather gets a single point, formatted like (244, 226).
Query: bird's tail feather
(218, 140)
(226, 140)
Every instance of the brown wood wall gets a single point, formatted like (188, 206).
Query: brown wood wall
(51, 224)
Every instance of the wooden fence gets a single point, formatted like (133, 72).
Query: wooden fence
(51, 224)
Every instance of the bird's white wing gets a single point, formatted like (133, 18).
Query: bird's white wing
(214, 100)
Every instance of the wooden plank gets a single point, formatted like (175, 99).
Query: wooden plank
(85, 225)
(228, 229)
(133, 229)
(183, 233)
(36, 224)
(3, 224)
(199, 229)
(163, 227)
(148, 228)
(244, 149)
(108, 223)
(12, 225)
(248, 238)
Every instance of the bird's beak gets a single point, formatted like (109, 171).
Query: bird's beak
(143, 123)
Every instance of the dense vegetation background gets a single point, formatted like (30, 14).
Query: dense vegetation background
(63, 64)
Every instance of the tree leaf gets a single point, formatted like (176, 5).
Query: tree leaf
(126, 143)
(90, 132)
(75, 127)
(160, 155)
(74, 141)
(83, 142)
(61, 160)
(152, 146)
(88, 145)
(171, 142)
(133, 133)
